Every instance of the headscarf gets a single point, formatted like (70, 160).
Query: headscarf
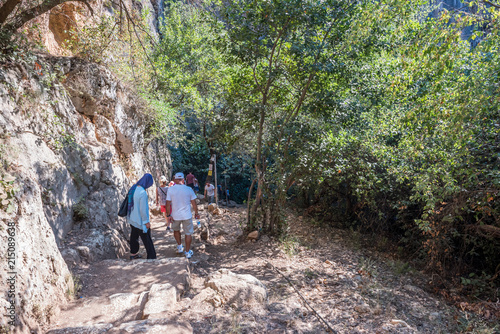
(146, 181)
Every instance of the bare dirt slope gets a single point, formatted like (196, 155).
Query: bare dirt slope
(351, 290)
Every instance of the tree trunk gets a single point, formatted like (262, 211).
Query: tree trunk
(7, 8)
(248, 201)
(258, 163)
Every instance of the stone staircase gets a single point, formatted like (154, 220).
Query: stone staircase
(123, 296)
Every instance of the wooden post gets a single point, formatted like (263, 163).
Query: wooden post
(215, 177)
(225, 190)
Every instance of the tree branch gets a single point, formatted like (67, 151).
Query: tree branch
(38, 10)
(130, 20)
(7, 8)
(491, 4)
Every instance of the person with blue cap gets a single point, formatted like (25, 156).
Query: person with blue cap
(138, 218)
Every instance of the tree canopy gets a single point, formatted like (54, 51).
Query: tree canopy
(374, 114)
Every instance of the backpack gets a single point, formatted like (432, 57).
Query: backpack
(124, 207)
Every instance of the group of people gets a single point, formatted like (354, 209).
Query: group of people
(175, 199)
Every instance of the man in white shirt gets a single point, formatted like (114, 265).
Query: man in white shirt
(180, 198)
(209, 192)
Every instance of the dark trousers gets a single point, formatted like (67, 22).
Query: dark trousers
(135, 233)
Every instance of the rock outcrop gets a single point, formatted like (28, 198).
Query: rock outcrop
(54, 28)
(73, 137)
(236, 289)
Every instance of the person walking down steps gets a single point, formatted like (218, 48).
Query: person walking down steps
(209, 192)
(138, 218)
(181, 198)
(190, 180)
(161, 199)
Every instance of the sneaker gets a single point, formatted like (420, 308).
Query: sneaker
(188, 254)
(180, 249)
(136, 256)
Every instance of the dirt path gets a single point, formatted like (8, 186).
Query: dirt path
(352, 291)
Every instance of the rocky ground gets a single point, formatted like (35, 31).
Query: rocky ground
(314, 281)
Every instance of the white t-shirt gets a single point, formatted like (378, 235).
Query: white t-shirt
(181, 196)
(210, 190)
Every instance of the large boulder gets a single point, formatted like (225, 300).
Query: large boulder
(236, 289)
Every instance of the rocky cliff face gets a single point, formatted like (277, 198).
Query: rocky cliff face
(52, 29)
(73, 137)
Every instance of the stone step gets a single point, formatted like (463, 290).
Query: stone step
(149, 326)
(123, 289)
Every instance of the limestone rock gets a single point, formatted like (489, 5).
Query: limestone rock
(70, 256)
(240, 290)
(122, 301)
(253, 235)
(205, 234)
(208, 296)
(162, 298)
(143, 299)
(153, 326)
(84, 252)
(212, 207)
(105, 132)
(96, 329)
(363, 308)
(435, 316)
(93, 110)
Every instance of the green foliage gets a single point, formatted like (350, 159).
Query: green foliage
(80, 210)
(93, 41)
(74, 286)
(370, 114)
(400, 267)
(280, 54)
(290, 245)
(416, 149)
(367, 267)
(7, 192)
(187, 63)
(310, 274)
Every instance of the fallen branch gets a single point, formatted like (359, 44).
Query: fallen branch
(321, 319)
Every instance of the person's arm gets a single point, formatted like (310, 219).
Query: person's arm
(168, 208)
(195, 208)
(144, 210)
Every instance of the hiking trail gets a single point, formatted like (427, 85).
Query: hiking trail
(213, 292)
